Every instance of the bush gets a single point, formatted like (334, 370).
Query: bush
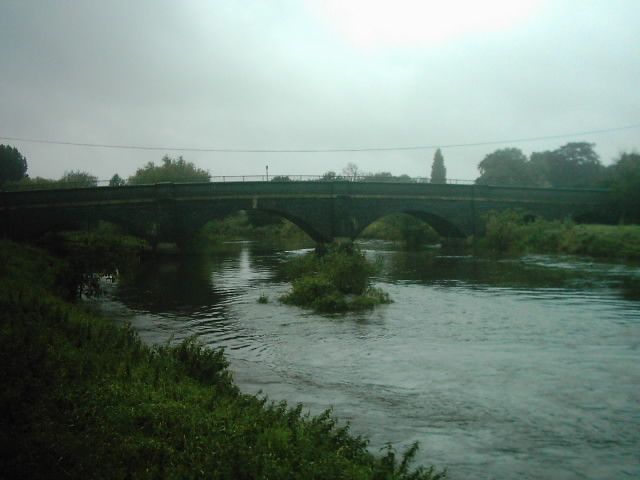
(84, 398)
(507, 232)
(336, 281)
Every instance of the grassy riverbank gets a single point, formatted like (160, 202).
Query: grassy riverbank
(84, 398)
(508, 232)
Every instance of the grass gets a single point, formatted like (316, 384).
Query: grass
(336, 281)
(84, 398)
(507, 232)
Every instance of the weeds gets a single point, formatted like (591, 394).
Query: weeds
(507, 232)
(84, 398)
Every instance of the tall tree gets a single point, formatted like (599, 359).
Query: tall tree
(13, 165)
(625, 183)
(171, 170)
(438, 170)
(117, 181)
(351, 171)
(507, 166)
(575, 164)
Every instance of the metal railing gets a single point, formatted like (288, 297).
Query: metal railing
(55, 184)
(336, 178)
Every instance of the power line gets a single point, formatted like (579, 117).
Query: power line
(320, 150)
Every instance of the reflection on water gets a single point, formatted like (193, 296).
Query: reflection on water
(519, 368)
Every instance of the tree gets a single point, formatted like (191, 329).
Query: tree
(77, 178)
(379, 177)
(13, 165)
(281, 178)
(351, 171)
(329, 176)
(438, 170)
(507, 166)
(117, 181)
(575, 164)
(171, 170)
(404, 178)
(625, 183)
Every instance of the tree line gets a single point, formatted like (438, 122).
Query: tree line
(573, 165)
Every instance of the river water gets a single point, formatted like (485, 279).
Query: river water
(520, 368)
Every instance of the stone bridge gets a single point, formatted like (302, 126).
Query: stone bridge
(325, 210)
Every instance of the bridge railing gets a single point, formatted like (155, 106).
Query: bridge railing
(325, 178)
(56, 185)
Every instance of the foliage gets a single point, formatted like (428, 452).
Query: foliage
(507, 166)
(329, 176)
(171, 170)
(625, 182)
(572, 165)
(404, 228)
(70, 179)
(77, 179)
(384, 177)
(351, 171)
(29, 183)
(262, 218)
(252, 225)
(438, 170)
(281, 178)
(509, 232)
(117, 181)
(84, 398)
(92, 255)
(13, 165)
(334, 281)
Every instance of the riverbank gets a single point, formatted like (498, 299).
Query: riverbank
(84, 398)
(509, 233)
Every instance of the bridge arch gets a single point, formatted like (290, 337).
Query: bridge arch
(298, 222)
(442, 226)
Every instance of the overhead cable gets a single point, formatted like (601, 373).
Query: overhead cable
(320, 150)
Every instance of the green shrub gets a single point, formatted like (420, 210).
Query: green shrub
(334, 281)
(507, 232)
(84, 398)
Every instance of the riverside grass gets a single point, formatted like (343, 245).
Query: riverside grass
(84, 398)
(508, 232)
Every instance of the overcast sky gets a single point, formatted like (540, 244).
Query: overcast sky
(286, 74)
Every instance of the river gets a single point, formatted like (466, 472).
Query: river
(501, 368)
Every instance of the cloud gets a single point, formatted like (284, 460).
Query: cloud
(287, 74)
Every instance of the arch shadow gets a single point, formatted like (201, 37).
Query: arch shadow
(311, 232)
(441, 225)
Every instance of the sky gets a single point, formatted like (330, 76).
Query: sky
(314, 75)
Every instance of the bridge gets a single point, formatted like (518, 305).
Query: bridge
(325, 210)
